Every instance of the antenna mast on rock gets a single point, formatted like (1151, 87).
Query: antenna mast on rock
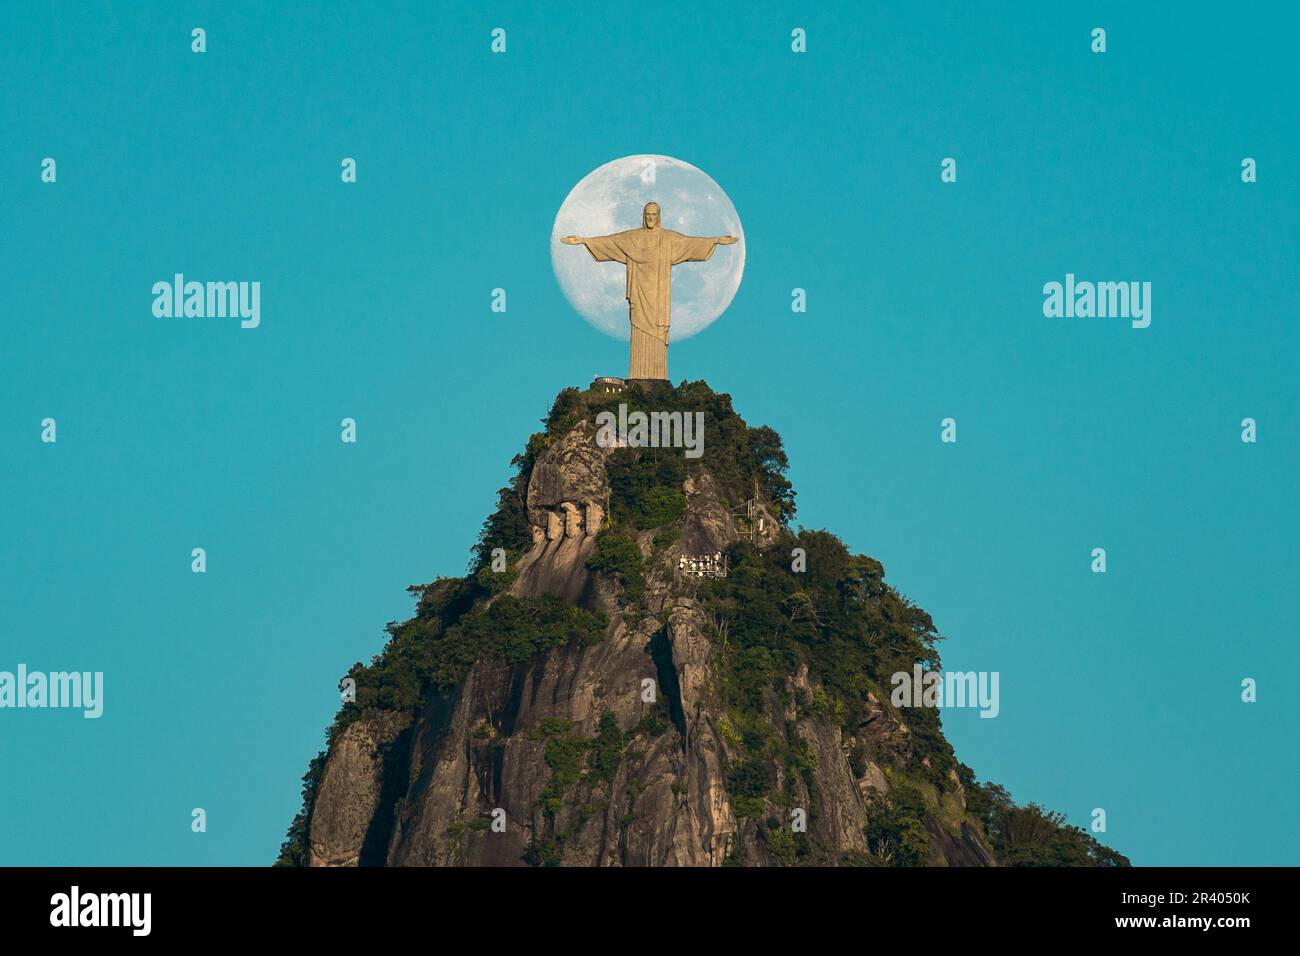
(754, 516)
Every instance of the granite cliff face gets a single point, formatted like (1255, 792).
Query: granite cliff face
(641, 742)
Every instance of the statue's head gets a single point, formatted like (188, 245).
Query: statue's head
(650, 215)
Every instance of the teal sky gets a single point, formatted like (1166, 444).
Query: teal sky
(1119, 691)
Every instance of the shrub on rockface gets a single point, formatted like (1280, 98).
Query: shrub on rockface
(507, 527)
(296, 849)
(896, 832)
(433, 654)
(607, 752)
(735, 455)
(839, 619)
(659, 506)
(646, 486)
(1030, 835)
(618, 555)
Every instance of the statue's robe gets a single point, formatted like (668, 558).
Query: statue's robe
(649, 255)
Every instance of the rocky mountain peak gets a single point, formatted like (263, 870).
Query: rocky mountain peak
(633, 674)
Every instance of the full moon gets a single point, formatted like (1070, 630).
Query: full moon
(610, 199)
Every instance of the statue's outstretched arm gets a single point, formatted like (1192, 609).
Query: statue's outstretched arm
(697, 248)
(602, 248)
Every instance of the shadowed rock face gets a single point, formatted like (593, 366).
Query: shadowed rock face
(495, 742)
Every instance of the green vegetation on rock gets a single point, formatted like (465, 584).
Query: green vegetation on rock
(618, 555)
(1031, 835)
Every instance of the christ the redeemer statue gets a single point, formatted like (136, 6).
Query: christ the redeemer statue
(649, 254)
